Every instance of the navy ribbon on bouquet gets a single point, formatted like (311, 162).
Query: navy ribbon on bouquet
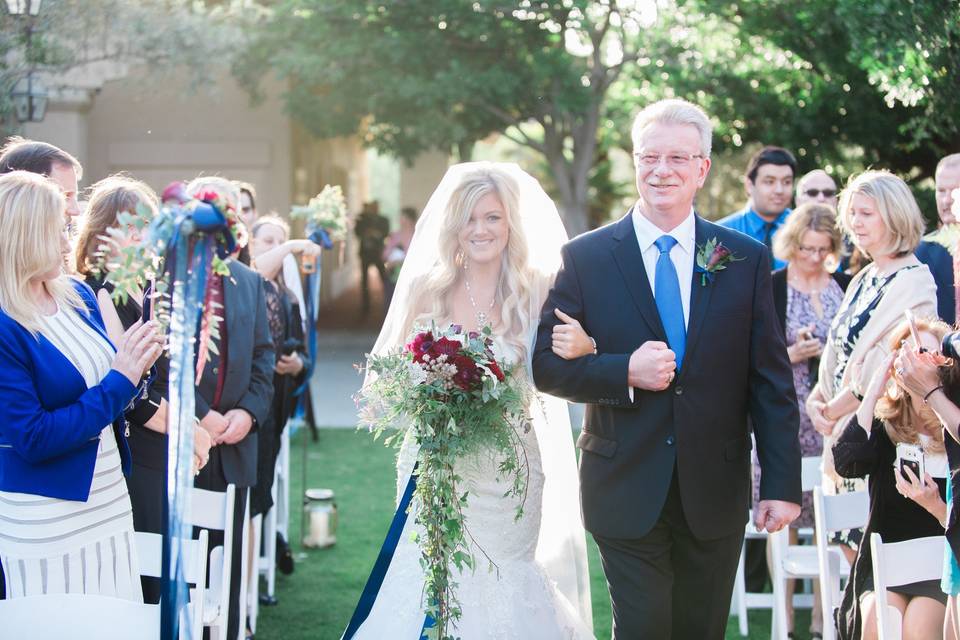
(311, 299)
(369, 595)
(188, 262)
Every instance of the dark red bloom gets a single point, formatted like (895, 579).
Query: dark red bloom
(495, 370)
(420, 346)
(468, 375)
(720, 254)
(209, 196)
(445, 347)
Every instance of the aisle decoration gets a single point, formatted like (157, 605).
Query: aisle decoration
(455, 401)
(172, 256)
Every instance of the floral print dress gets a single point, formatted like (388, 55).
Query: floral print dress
(802, 313)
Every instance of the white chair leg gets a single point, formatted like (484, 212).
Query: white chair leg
(739, 605)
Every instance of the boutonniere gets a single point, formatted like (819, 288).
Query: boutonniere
(711, 258)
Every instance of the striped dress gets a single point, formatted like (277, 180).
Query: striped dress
(50, 545)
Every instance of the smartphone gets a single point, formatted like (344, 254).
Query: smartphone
(910, 456)
(914, 332)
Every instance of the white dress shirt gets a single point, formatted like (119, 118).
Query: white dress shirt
(682, 254)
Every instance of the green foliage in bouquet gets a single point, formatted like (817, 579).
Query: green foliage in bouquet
(446, 391)
(326, 210)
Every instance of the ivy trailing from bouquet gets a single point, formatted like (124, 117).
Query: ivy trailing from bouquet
(446, 391)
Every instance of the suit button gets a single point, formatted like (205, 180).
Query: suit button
(678, 391)
(216, 370)
(670, 440)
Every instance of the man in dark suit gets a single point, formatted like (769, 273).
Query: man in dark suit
(682, 359)
(234, 396)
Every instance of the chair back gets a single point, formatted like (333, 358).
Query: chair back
(78, 616)
(899, 563)
(214, 510)
(811, 474)
(150, 555)
(835, 513)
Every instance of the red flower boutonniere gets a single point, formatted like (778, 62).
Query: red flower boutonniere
(711, 258)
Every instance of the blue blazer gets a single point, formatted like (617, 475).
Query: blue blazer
(50, 422)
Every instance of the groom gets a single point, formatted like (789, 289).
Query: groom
(683, 359)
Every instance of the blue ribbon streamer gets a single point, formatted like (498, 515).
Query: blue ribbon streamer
(187, 263)
(375, 581)
(320, 237)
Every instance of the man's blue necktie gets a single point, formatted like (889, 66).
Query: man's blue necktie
(667, 293)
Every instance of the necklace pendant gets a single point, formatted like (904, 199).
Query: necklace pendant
(481, 319)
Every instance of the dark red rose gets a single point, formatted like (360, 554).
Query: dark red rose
(208, 196)
(468, 375)
(420, 346)
(495, 370)
(445, 347)
(720, 253)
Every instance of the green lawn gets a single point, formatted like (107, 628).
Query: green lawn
(317, 600)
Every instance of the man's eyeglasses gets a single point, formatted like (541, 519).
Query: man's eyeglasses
(827, 193)
(673, 160)
(810, 251)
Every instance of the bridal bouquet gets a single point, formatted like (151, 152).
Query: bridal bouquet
(455, 400)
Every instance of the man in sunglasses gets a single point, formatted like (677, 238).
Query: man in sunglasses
(932, 251)
(817, 186)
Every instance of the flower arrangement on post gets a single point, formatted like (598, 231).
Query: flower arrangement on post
(326, 218)
(446, 390)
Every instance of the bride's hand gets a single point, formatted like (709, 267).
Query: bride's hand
(570, 341)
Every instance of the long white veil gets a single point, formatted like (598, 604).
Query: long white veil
(561, 548)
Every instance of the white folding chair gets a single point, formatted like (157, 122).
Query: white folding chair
(79, 617)
(792, 562)
(742, 599)
(897, 563)
(213, 510)
(835, 513)
(276, 519)
(150, 555)
(244, 567)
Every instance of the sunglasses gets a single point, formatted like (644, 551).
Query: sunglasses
(827, 193)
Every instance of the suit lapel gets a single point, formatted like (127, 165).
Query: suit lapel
(630, 261)
(699, 297)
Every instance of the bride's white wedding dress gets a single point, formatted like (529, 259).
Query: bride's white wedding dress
(511, 593)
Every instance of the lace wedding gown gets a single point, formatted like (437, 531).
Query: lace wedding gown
(509, 594)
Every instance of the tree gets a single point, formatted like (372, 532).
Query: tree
(410, 76)
(845, 83)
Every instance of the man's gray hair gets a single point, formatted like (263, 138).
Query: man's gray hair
(674, 111)
(949, 161)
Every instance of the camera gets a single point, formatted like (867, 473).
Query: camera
(950, 345)
(290, 346)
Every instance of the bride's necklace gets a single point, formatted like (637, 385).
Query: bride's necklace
(482, 316)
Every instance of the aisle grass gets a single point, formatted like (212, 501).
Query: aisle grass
(317, 600)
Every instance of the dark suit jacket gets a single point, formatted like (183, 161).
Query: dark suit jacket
(779, 279)
(249, 380)
(735, 366)
(940, 262)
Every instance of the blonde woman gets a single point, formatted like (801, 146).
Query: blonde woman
(63, 388)
(890, 415)
(484, 253)
(879, 213)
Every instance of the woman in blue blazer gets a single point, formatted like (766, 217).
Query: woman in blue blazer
(63, 388)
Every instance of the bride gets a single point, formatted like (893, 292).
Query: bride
(485, 252)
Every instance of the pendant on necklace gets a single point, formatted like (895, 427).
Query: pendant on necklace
(481, 319)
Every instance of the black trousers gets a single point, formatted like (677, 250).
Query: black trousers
(211, 478)
(669, 585)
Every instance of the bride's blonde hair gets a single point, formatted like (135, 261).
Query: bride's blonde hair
(517, 281)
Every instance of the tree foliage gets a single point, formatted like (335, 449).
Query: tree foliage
(843, 83)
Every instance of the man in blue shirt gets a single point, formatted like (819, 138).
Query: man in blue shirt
(769, 184)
